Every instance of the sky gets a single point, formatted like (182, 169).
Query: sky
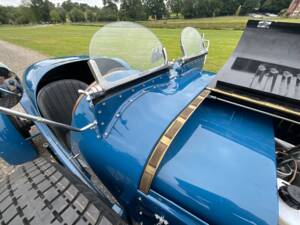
(18, 2)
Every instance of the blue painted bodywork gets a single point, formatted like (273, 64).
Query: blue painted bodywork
(218, 143)
(35, 72)
(14, 149)
(31, 79)
(217, 170)
(220, 166)
(136, 119)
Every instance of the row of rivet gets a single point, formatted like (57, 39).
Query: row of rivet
(118, 114)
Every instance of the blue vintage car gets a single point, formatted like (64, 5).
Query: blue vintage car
(135, 138)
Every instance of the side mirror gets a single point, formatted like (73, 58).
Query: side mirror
(192, 43)
(11, 90)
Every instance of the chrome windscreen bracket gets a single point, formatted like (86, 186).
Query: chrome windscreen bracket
(92, 93)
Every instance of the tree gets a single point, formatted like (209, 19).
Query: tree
(155, 8)
(275, 6)
(68, 5)
(203, 8)
(108, 13)
(132, 10)
(22, 15)
(90, 16)
(230, 7)
(215, 7)
(109, 2)
(76, 15)
(41, 9)
(250, 6)
(54, 16)
(62, 14)
(188, 10)
(175, 6)
(3, 15)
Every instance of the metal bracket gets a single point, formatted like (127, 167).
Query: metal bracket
(91, 93)
(12, 112)
(9, 92)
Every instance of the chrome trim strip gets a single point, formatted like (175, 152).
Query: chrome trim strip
(253, 109)
(166, 140)
(256, 102)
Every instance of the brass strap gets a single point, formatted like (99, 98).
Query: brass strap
(256, 102)
(166, 140)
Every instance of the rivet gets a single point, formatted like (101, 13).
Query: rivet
(102, 123)
(118, 115)
(103, 103)
(105, 134)
(140, 212)
(139, 198)
(99, 112)
(45, 145)
(98, 136)
(120, 96)
(131, 100)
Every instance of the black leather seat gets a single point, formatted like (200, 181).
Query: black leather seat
(56, 101)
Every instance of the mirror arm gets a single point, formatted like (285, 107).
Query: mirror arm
(7, 91)
(12, 112)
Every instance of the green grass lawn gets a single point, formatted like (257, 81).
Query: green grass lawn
(63, 40)
(216, 23)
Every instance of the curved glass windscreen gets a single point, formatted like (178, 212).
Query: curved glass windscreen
(123, 51)
(192, 42)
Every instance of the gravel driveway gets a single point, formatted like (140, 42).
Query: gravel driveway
(17, 59)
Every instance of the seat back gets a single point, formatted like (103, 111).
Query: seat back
(56, 101)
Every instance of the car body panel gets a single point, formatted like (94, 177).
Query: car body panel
(34, 73)
(132, 131)
(147, 206)
(220, 164)
(128, 132)
(131, 115)
(14, 148)
(31, 80)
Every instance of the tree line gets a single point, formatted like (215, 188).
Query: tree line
(44, 11)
